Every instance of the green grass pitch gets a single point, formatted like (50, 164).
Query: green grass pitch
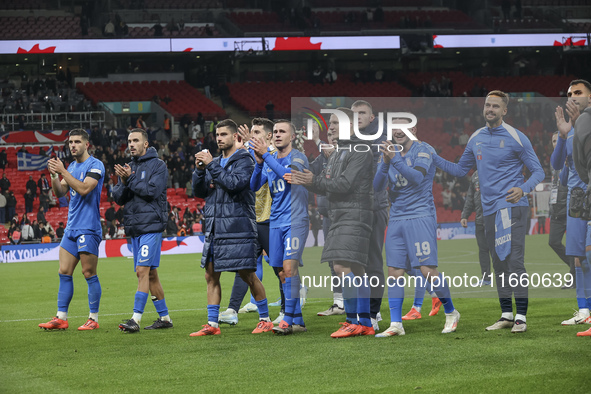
(547, 358)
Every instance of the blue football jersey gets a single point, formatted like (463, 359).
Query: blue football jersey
(290, 202)
(84, 212)
(413, 201)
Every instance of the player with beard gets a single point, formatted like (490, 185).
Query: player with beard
(82, 236)
(499, 152)
(230, 225)
(142, 190)
(578, 240)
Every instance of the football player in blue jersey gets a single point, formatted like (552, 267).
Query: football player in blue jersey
(499, 152)
(579, 233)
(82, 236)
(142, 192)
(411, 239)
(289, 224)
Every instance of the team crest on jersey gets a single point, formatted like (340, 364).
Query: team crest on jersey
(143, 175)
(479, 154)
(408, 162)
(502, 144)
(81, 176)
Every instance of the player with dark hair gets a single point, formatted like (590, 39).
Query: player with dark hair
(289, 224)
(578, 240)
(142, 192)
(411, 240)
(347, 184)
(499, 152)
(230, 226)
(82, 237)
(261, 128)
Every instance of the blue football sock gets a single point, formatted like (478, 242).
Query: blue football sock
(263, 308)
(259, 273)
(420, 286)
(443, 294)
(290, 301)
(586, 267)
(580, 288)
(140, 302)
(350, 298)
(94, 293)
(297, 312)
(213, 313)
(395, 299)
(363, 294)
(65, 292)
(160, 306)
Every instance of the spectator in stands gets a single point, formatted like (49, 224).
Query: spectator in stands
(2, 127)
(181, 25)
(2, 208)
(210, 144)
(43, 184)
(120, 231)
(36, 230)
(119, 215)
(41, 215)
(140, 124)
(208, 31)
(47, 229)
(113, 137)
(157, 29)
(27, 231)
(446, 195)
(111, 230)
(171, 227)
(44, 201)
(187, 215)
(464, 137)
(4, 184)
(166, 126)
(176, 214)
(59, 232)
(32, 186)
(331, 76)
(29, 198)
(104, 229)
(123, 30)
(10, 204)
(200, 121)
(110, 213)
(109, 30)
(3, 159)
(14, 234)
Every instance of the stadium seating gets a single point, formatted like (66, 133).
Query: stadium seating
(546, 85)
(185, 98)
(253, 96)
(21, 27)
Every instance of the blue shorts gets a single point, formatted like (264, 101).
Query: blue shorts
(411, 243)
(75, 242)
(578, 235)
(287, 243)
(146, 250)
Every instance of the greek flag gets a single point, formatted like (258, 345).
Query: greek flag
(30, 162)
